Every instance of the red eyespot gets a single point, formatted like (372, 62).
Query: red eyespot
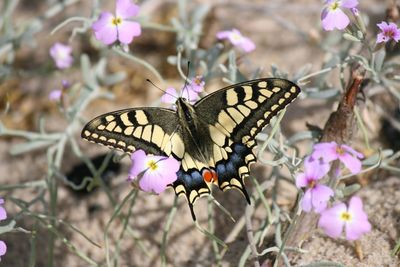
(209, 175)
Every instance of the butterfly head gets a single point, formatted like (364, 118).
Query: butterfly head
(185, 109)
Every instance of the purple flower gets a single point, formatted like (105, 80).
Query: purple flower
(3, 248)
(332, 151)
(353, 218)
(154, 173)
(61, 55)
(3, 216)
(109, 28)
(3, 213)
(333, 16)
(55, 95)
(316, 196)
(171, 95)
(197, 84)
(388, 31)
(237, 39)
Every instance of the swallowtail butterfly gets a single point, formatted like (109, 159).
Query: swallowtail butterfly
(213, 138)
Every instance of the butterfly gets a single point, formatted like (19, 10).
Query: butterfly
(213, 138)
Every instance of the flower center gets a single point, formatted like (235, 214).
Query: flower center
(236, 36)
(345, 216)
(311, 183)
(340, 150)
(116, 21)
(197, 81)
(335, 5)
(152, 165)
(389, 33)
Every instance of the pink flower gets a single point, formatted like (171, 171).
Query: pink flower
(197, 84)
(316, 196)
(3, 213)
(154, 173)
(171, 95)
(61, 55)
(56, 94)
(3, 216)
(237, 39)
(332, 151)
(109, 28)
(333, 16)
(353, 218)
(388, 31)
(3, 248)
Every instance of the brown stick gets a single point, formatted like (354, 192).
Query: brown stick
(340, 128)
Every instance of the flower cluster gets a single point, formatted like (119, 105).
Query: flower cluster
(109, 27)
(3, 216)
(152, 173)
(190, 91)
(317, 195)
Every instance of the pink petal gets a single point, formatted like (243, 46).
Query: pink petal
(3, 213)
(139, 159)
(382, 38)
(3, 248)
(104, 29)
(126, 9)
(351, 163)
(191, 95)
(170, 96)
(359, 224)
(349, 3)
(320, 197)
(335, 19)
(152, 182)
(315, 169)
(306, 203)
(330, 221)
(326, 151)
(383, 26)
(247, 45)
(352, 151)
(396, 36)
(127, 30)
(301, 180)
(223, 34)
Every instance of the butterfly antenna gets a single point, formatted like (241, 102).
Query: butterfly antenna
(185, 86)
(162, 90)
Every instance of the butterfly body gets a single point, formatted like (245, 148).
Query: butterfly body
(213, 139)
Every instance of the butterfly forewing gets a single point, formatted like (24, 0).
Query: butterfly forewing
(154, 130)
(240, 111)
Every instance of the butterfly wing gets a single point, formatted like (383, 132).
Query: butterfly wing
(236, 114)
(156, 131)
